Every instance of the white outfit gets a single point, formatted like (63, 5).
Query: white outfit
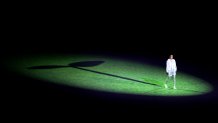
(171, 70)
(171, 67)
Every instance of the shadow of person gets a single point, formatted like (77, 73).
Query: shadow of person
(82, 65)
(86, 64)
(74, 65)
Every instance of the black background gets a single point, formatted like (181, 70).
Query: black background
(136, 32)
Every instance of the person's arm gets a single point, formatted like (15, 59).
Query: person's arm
(167, 66)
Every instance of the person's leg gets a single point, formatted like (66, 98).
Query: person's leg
(174, 79)
(166, 81)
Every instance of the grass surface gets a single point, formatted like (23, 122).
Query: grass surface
(107, 74)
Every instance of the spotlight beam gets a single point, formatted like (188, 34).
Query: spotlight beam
(80, 65)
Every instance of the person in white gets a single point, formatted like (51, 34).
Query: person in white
(171, 69)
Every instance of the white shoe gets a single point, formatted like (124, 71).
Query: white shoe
(165, 85)
(174, 87)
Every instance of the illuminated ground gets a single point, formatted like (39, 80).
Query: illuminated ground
(106, 74)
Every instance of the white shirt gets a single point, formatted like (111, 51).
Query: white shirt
(171, 66)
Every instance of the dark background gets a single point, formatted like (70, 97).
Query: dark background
(134, 32)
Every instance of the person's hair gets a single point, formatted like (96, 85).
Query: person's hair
(171, 55)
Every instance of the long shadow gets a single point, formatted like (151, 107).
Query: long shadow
(80, 65)
(75, 64)
(112, 75)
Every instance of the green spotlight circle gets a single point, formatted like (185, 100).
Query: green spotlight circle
(107, 74)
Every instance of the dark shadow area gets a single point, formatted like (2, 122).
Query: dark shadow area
(75, 64)
(47, 67)
(86, 64)
(188, 32)
(81, 64)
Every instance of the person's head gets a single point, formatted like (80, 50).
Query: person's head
(171, 56)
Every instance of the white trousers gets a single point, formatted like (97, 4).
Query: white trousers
(170, 74)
